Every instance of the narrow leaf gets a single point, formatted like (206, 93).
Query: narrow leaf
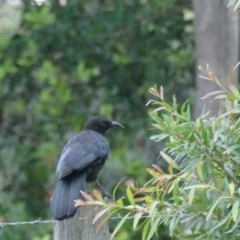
(120, 202)
(161, 93)
(153, 90)
(212, 208)
(145, 229)
(236, 66)
(153, 172)
(234, 90)
(222, 96)
(137, 217)
(80, 202)
(214, 77)
(211, 94)
(175, 192)
(154, 228)
(231, 2)
(98, 195)
(87, 196)
(229, 76)
(130, 196)
(236, 6)
(99, 215)
(157, 110)
(115, 189)
(221, 223)
(196, 186)
(170, 168)
(199, 170)
(150, 101)
(231, 187)
(205, 78)
(201, 68)
(191, 196)
(152, 208)
(119, 225)
(169, 160)
(235, 210)
(157, 168)
(105, 220)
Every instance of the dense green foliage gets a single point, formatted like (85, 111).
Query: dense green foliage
(198, 197)
(65, 64)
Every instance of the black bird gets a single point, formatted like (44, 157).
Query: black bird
(80, 162)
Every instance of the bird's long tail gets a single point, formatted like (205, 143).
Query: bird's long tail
(67, 190)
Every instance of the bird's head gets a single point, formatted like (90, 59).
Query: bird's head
(100, 124)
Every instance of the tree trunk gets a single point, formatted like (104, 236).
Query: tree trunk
(217, 44)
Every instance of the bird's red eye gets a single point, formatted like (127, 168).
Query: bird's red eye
(103, 124)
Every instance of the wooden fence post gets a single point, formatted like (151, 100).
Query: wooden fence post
(81, 229)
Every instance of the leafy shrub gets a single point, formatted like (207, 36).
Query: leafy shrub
(198, 196)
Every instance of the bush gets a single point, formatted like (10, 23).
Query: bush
(198, 196)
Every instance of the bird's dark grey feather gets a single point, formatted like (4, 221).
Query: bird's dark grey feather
(62, 203)
(82, 151)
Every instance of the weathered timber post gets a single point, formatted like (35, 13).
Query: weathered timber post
(81, 229)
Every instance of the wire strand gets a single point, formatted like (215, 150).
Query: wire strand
(39, 221)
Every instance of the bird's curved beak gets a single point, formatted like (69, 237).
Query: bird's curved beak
(117, 124)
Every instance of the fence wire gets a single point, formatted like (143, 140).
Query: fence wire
(39, 221)
(3, 224)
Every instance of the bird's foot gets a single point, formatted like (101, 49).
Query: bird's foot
(104, 193)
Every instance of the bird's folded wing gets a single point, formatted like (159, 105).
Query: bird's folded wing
(74, 158)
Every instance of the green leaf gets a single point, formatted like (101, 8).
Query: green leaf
(153, 207)
(136, 219)
(130, 196)
(234, 91)
(119, 225)
(105, 220)
(235, 210)
(172, 225)
(199, 170)
(196, 186)
(145, 229)
(213, 207)
(169, 160)
(224, 220)
(115, 189)
(191, 196)
(231, 187)
(154, 227)
(159, 137)
(175, 192)
(120, 202)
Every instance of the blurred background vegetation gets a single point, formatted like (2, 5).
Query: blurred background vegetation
(63, 62)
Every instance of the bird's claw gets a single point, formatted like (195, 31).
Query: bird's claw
(104, 193)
